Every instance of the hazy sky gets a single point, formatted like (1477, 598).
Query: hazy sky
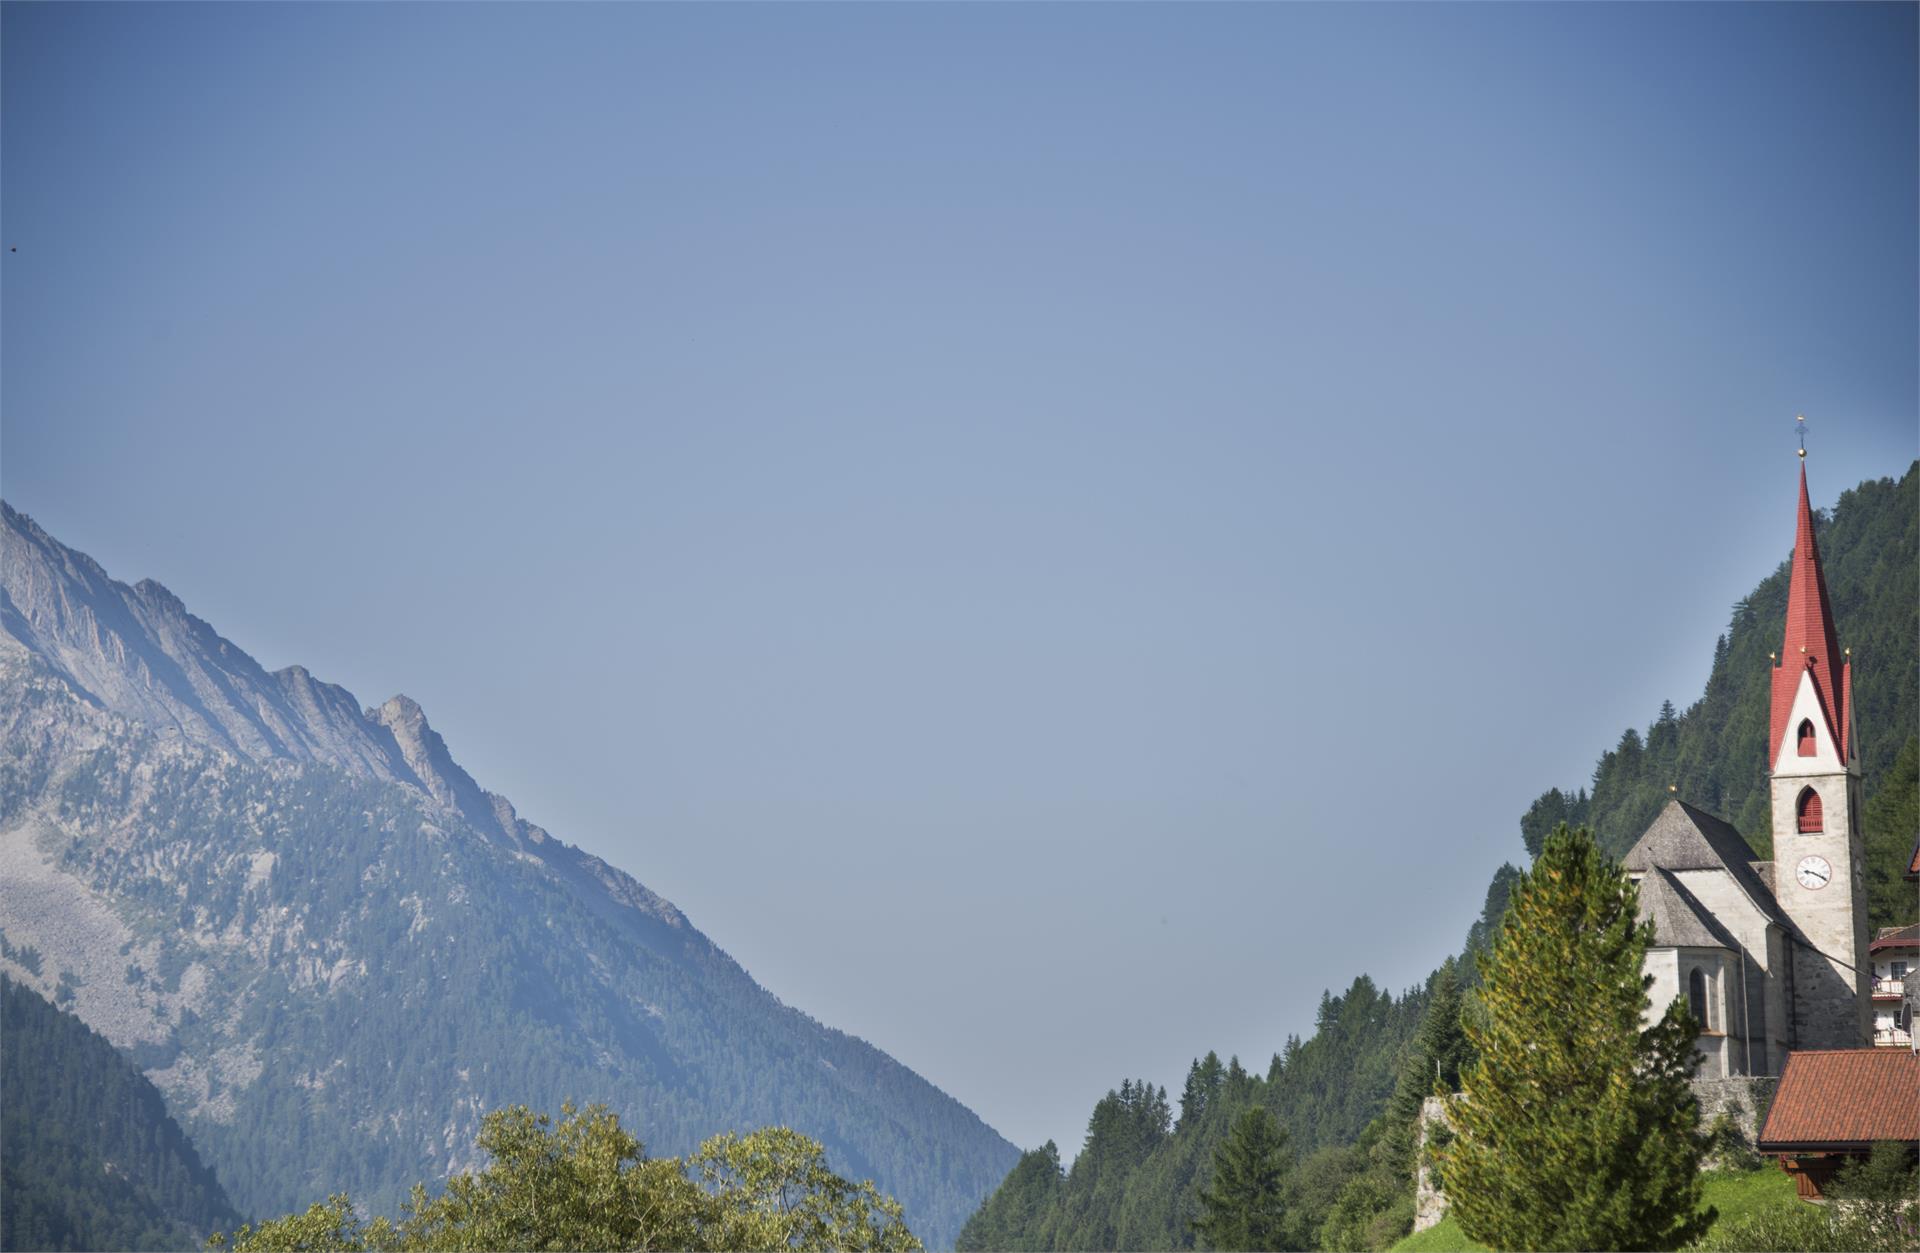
(1053, 532)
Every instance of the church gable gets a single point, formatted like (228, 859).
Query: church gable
(1683, 838)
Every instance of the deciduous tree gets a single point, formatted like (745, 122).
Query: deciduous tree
(585, 1183)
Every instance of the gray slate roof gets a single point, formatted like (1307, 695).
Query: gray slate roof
(1679, 920)
(1685, 838)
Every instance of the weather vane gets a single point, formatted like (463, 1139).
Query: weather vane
(1800, 426)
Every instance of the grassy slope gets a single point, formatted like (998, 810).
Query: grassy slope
(1734, 1195)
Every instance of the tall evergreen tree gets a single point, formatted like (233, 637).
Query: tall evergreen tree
(1193, 1098)
(1576, 1128)
(1243, 1207)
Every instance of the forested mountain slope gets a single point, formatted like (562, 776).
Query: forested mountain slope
(89, 1158)
(1136, 1181)
(332, 951)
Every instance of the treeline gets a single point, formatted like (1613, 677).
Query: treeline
(1714, 754)
(1347, 1102)
(89, 1158)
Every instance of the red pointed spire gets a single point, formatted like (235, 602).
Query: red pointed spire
(1810, 645)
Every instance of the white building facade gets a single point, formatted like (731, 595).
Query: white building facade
(1895, 954)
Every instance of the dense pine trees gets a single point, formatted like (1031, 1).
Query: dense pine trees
(1889, 825)
(89, 1158)
(1138, 1181)
(1014, 1217)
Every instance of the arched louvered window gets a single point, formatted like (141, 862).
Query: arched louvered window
(1808, 747)
(1810, 822)
(1697, 997)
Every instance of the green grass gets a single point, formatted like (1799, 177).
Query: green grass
(1735, 1195)
(1444, 1236)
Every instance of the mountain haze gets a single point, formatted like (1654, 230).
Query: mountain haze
(332, 949)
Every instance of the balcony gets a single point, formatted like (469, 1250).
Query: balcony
(1892, 1038)
(1889, 989)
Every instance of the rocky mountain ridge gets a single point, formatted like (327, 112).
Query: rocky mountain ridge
(332, 949)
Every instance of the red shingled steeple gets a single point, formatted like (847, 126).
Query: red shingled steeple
(1811, 645)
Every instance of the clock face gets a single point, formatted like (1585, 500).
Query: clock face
(1814, 872)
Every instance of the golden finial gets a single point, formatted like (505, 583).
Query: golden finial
(1800, 425)
(1672, 788)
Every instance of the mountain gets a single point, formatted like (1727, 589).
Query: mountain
(89, 1158)
(332, 950)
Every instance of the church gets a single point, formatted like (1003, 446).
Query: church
(1772, 956)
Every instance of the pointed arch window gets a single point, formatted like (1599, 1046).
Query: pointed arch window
(1697, 997)
(1809, 809)
(1808, 745)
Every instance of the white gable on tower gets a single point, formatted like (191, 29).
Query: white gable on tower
(1807, 745)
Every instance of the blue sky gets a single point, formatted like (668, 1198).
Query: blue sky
(1053, 532)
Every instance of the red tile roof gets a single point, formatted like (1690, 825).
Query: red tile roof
(1844, 1097)
(1811, 646)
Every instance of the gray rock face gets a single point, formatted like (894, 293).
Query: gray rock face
(137, 652)
(333, 950)
(428, 761)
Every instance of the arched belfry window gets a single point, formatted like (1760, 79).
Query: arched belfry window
(1810, 823)
(1808, 747)
(1697, 997)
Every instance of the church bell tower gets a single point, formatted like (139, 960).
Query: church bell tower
(1818, 859)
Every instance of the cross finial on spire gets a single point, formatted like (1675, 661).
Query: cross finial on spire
(1800, 427)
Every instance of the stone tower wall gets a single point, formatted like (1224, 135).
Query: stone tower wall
(1831, 980)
